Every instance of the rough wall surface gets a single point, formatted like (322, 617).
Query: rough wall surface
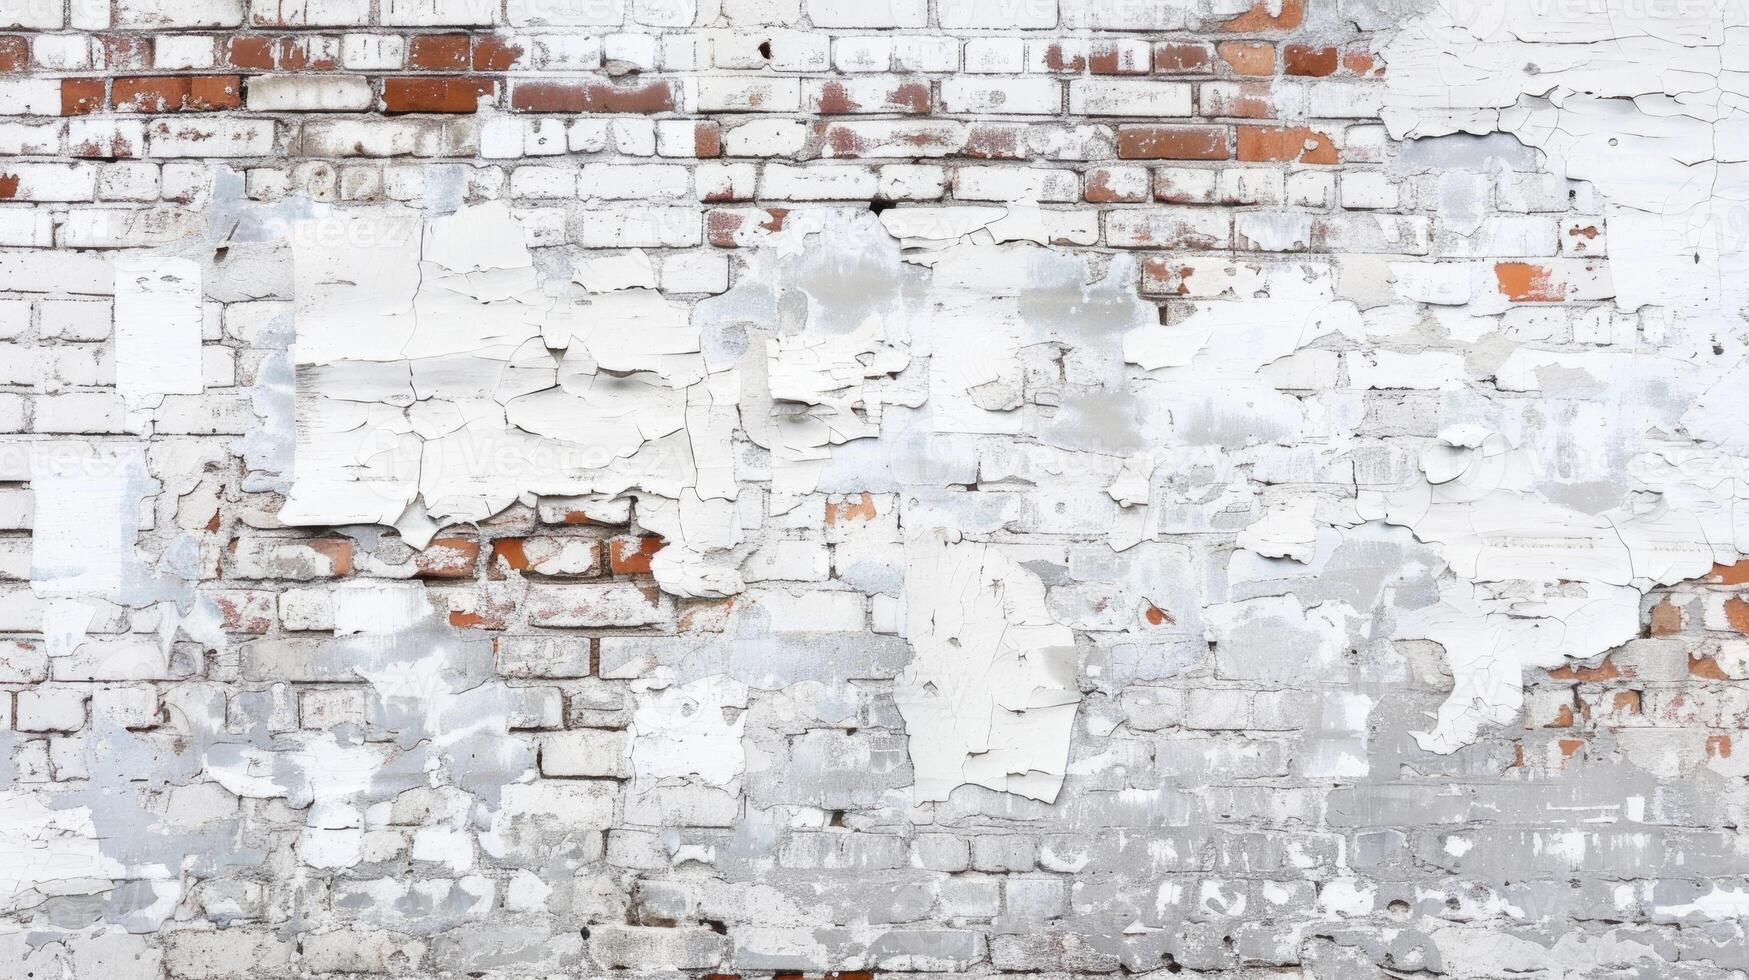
(553, 488)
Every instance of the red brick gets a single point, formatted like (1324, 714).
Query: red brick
(1172, 143)
(1359, 61)
(1290, 144)
(294, 55)
(251, 51)
(1304, 59)
(1174, 56)
(14, 53)
(176, 93)
(1056, 59)
(652, 96)
(435, 93)
(1289, 15)
(439, 52)
(80, 96)
(628, 555)
(1248, 57)
(494, 53)
(1115, 59)
(707, 140)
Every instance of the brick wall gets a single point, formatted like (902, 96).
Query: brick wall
(218, 767)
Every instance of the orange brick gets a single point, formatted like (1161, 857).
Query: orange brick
(457, 94)
(493, 53)
(177, 93)
(80, 96)
(1527, 282)
(1248, 57)
(1172, 143)
(629, 555)
(1117, 59)
(1057, 59)
(439, 52)
(707, 140)
(1285, 144)
(644, 97)
(1287, 16)
(251, 51)
(1170, 56)
(1304, 59)
(14, 53)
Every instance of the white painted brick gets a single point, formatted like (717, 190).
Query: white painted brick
(32, 15)
(54, 709)
(737, 93)
(78, 412)
(178, 13)
(922, 53)
(372, 137)
(309, 93)
(862, 54)
(372, 52)
(128, 182)
(30, 139)
(656, 182)
(641, 228)
(566, 13)
(438, 13)
(999, 14)
(209, 137)
(26, 227)
(633, 136)
(1129, 97)
(1016, 184)
(62, 52)
(727, 181)
(14, 318)
(1370, 189)
(780, 182)
(765, 138)
(861, 13)
(995, 56)
(74, 319)
(637, 51)
(912, 182)
(31, 96)
(1013, 96)
(586, 752)
(543, 182)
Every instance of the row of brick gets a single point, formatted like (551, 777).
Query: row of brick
(499, 53)
(468, 93)
(1035, 15)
